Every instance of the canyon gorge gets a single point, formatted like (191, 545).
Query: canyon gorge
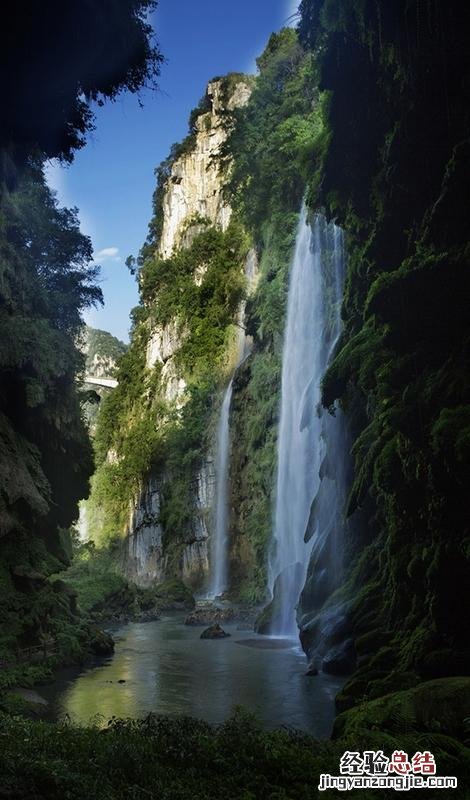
(282, 449)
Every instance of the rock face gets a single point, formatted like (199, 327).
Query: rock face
(192, 198)
(325, 638)
(210, 615)
(195, 565)
(162, 343)
(340, 660)
(102, 351)
(143, 558)
(195, 188)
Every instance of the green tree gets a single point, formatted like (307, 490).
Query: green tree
(58, 57)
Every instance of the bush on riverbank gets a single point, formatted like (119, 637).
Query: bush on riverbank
(104, 594)
(187, 759)
(158, 757)
(42, 628)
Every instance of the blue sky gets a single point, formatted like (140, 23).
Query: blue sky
(112, 178)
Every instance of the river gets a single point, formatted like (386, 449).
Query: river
(165, 667)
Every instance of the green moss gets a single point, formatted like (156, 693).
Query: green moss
(269, 143)
(173, 591)
(440, 705)
(399, 369)
(274, 137)
(254, 418)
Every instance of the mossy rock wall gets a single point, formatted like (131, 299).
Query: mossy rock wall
(394, 175)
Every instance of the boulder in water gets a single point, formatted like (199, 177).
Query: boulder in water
(311, 670)
(214, 632)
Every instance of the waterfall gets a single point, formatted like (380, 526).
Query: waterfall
(220, 539)
(82, 523)
(312, 328)
(219, 548)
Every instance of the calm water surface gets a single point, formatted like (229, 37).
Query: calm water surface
(168, 669)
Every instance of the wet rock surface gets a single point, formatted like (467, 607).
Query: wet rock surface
(211, 614)
(214, 632)
(270, 619)
(311, 670)
(340, 660)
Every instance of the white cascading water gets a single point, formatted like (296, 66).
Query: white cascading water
(220, 539)
(312, 328)
(82, 523)
(219, 566)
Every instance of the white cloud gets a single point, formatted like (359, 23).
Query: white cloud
(107, 254)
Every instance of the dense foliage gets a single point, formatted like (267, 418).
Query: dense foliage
(102, 351)
(140, 422)
(187, 759)
(104, 595)
(273, 137)
(46, 457)
(47, 279)
(395, 175)
(56, 58)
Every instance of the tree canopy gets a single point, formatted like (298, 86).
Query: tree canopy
(57, 57)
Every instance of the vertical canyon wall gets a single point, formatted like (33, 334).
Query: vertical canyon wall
(190, 202)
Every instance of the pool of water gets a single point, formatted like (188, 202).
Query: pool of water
(166, 668)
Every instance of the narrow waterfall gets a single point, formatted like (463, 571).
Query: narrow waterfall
(82, 523)
(219, 548)
(312, 329)
(220, 539)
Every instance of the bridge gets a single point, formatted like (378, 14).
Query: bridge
(107, 383)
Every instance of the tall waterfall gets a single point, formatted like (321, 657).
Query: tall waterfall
(219, 548)
(312, 328)
(220, 539)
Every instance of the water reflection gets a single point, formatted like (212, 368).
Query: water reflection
(165, 667)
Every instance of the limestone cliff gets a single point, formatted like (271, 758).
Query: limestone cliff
(192, 198)
(191, 202)
(102, 352)
(194, 189)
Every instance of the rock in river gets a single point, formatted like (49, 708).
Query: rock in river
(214, 632)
